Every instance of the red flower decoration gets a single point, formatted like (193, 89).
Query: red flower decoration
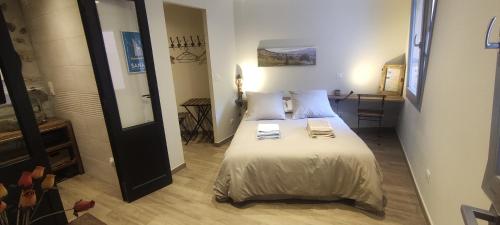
(38, 172)
(81, 206)
(25, 181)
(28, 198)
(3, 206)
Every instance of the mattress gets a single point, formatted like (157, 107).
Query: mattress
(299, 167)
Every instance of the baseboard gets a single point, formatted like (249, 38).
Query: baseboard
(419, 193)
(178, 168)
(224, 141)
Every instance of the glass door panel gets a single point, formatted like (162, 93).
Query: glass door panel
(123, 44)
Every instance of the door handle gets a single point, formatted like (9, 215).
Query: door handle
(418, 45)
(487, 43)
(471, 214)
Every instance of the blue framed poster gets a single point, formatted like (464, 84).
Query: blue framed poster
(133, 52)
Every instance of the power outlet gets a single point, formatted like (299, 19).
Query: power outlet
(340, 75)
(111, 161)
(428, 176)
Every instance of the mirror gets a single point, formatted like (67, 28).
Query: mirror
(392, 80)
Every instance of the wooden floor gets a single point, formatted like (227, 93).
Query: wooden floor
(190, 200)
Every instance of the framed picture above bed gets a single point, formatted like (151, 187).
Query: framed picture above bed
(392, 80)
(296, 56)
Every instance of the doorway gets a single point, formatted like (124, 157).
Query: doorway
(189, 58)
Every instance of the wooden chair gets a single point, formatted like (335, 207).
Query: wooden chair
(376, 113)
(185, 132)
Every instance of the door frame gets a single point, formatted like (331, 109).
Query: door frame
(204, 12)
(95, 42)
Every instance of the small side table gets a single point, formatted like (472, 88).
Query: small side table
(203, 108)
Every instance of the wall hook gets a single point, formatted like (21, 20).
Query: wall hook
(199, 42)
(178, 42)
(192, 42)
(487, 43)
(185, 42)
(172, 45)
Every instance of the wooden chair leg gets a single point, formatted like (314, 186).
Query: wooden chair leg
(379, 130)
(358, 126)
(379, 127)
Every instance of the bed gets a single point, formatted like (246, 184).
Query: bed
(299, 167)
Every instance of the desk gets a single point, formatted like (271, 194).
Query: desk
(348, 109)
(354, 97)
(202, 106)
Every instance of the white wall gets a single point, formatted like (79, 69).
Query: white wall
(219, 17)
(190, 79)
(450, 136)
(354, 38)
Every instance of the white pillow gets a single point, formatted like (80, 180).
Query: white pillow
(311, 104)
(265, 106)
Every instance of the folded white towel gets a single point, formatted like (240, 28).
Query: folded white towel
(268, 131)
(271, 127)
(319, 125)
(319, 128)
(269, 136)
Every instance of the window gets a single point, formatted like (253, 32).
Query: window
(422, 23)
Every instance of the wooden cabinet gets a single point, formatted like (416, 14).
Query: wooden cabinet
(59, 142)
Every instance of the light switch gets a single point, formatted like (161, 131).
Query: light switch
(51, 88)
(218, 77)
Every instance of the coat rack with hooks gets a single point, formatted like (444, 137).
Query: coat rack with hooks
(186, 42)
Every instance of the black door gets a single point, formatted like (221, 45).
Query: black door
(17, 117)
(120, 48)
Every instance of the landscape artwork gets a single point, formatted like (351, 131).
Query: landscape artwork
(302, 56)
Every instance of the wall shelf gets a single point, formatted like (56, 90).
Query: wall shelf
(59, 141)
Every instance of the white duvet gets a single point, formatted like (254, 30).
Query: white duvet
(299, 167)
